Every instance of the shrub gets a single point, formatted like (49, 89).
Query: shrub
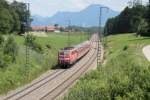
(37, 47)
(125, 48)
(30, 41)
(2, 63)
(11, 48)
(48, 46)
(1, 39)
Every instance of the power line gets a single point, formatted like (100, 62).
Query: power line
(100, 37)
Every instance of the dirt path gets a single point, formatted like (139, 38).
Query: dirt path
(146, 51)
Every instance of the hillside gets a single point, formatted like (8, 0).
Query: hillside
(87, 17)
(16, 74)
(124, 76)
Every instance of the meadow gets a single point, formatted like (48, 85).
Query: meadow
(18, 74)
(124, 75)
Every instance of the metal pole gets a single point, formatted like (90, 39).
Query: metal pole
(100, 25)
(27, 26)
(100, 37)
(69, 29)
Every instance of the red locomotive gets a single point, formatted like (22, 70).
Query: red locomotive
(70, 55)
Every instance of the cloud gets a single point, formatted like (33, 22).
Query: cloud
(50, 7)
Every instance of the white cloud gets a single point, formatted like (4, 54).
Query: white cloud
(50, 7)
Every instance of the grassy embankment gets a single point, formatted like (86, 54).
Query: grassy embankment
(124, 76)
(17, 74)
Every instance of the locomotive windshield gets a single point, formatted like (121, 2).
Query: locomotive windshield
(66, 53)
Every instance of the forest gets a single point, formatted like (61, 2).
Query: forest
(13, 17)
(135, 19)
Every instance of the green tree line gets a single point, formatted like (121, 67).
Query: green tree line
(135, 19)
(13, 17)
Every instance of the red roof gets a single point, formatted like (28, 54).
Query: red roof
(38, 28)
(48, 28)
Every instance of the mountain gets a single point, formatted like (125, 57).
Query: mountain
(87, 17)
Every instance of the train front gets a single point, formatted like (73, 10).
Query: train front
(64, 56)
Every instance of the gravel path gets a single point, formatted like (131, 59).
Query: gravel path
(146, 51)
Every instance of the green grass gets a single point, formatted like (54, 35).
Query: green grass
(124, 76)
(17, 74)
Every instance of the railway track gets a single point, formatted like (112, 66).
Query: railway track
(36, 85)
(26, 93)
(69, 81)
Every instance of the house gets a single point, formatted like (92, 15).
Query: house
(38, 28)
(47, 28)
(50, 28)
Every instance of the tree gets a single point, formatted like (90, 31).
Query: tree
(142, 26)
(5, 21)
(56, 25)
(16, 22)
(5, 17)
(128, 21)
(23, 14)
(13, 17)
(110, 26)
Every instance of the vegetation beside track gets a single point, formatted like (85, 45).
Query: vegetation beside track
(125, 75)
(16, 73)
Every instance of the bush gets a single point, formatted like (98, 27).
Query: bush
(1, 39)
(2, 63)
(11, 48)
(48, 46)
(125, 48)
(30, 41)
(37, 47)
(125, 75)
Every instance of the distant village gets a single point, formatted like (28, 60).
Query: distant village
(51, 28)
(57, 28)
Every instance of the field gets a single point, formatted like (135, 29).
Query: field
(17, 74)
(124, 75)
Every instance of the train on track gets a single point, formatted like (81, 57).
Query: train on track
(69, 55)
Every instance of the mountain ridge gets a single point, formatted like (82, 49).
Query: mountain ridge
(87, 17)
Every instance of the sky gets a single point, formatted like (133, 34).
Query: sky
(50, 7)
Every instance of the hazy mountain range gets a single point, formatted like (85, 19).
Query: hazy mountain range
(86, 18)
